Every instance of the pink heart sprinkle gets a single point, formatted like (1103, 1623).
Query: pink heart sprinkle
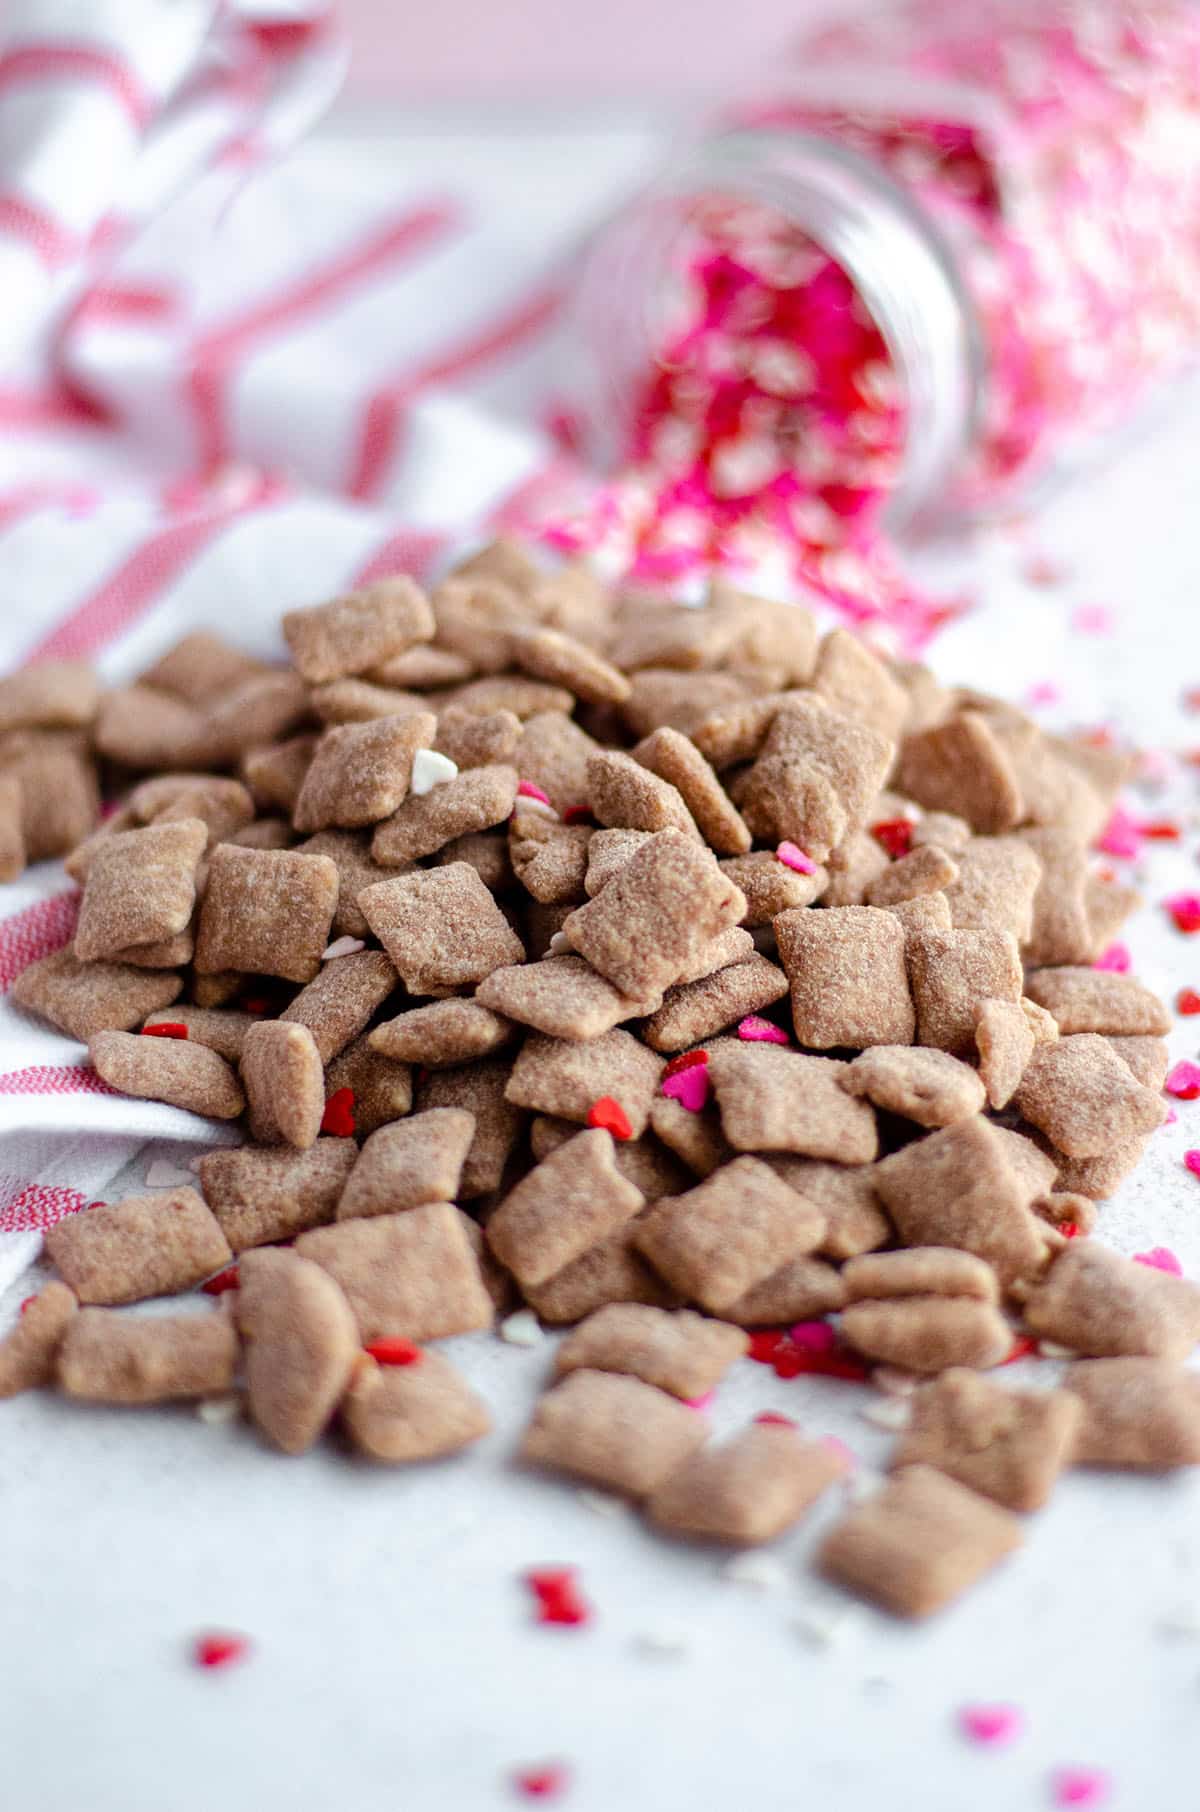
(1045, 692)
(993, 1724)
(1079, 1786)
(1121, 836)
(1172, 1117)
(756, 1030)
(1184, 1081)
(689, 1087)
(1159, 1258)
(813, 1336)
(526, 789)
(1116, 960)
(792, 856)
(701, 1403)
(1192, 1160)
(1093, 619)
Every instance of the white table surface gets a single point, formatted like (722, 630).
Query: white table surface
(396, 1667)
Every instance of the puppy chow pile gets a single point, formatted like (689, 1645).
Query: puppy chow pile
(697, 983)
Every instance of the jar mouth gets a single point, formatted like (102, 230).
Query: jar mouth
(854, 213)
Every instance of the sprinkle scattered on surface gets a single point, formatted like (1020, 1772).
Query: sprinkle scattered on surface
(219, 1649)
(991, 1725)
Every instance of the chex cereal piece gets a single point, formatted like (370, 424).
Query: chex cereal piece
(930, 1087)
(84, 998)
(656, 915)
(626, 796)
(29, 1352)
(681, 636)
(679, 1351)
(853, 867)
(222, 804)
(549, 655)
(661, 696)
(677, 760)
(1108, 904)
(263, 1194)
(698, 1009)
(848, 980)
(351, 856)
(996, 886)
(845, 1194)
(769, 633)
(1099, 1176)
(1092, 1000)
(1008, 1445)
(284, 1080)
(301, 1346)
(1031, 1161)
(856, 682)
(1148, 1058)
(920, 1271)
(500, 1287)
(1062, 1208)
(815, 779)
(572, 1200)
(961, 767)
(922, 1542)
(473, 740)
(1005, 1041)
(168, 953)
(1061, 931)
(146, 1245)
(924, 1309)
(261, 710)
(480, 1088)
(770, 886)
(339, 1002)
(359, 773)
(776, 1100)
(381, 1089)
(140, 887)
(1080, 1094)
(733, 946)
(729, 1233)
(443, 1033)
(554, 753)
(554, 1076)
(111, 1358)
(608, 851)
(275, 773)
(356, 701)
(802, 1290)
(411, 1275)
(747, 1490)
(266, 912)
(1142, 1413)
(474, 619)
(611, 1271)
(484, 851)
(1102, 1305)
(12, 829)
(475, 801)
(928, 912)
(617, 1432)
(511, 692)
(646, 1162)
(202, 666)
(167, 1069)
(142, 727)
(422, 666)
(441, 928)
(397, 1413)
(695, 1138)
(952, 973)
(53, 695)
(735, 728)
(957, 1188)
(561, 996)
(354, 633)
(502, 560)
(924, 870)
(417, 1160)
(220, 1029)
(550, 860)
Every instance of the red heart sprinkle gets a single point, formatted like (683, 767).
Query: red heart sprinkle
(546, 1782)
(224, 1280)
(577, 814)
(764, 1346)
(391, 1350)
(558, 1597)
(1161, 830)
(1023, 1348)
(610, 1117)
(895, 834)
(26, 1304)
(168, 1029)
(1187, 1001)
(1069, 1229)
(338, 1117)
(685, 1061)
(769, 1419)
(219, 1649)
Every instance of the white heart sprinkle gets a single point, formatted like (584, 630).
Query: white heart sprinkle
(216, 1410)
(602, 1503)
(560, 944)
(342, 946)
(522, 1329)
(162, 1174)
(664, 1643)
(1050, 1349)
(541, 806)
(892, 1413)
(760, 1571)
(826, 1626)
(429, 769)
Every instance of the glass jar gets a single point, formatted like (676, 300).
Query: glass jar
(926, 272)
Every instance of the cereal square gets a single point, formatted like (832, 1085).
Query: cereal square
(856, 682)
(561, 996)
(412, 1275)
(260, 1194)
(354, 633)
(572, 1200)
(553, 1076)
(340, 1001)
(930, 1087)
(777, 1100)
(995, 887)
(421, 1411)
(360, 773)
(266, 912)
(698, 1009)
(1140, 1413)
(677, 760)
(480, 1088)
(412, 1162)
(679, 1351)
(175, 1071)
(848, 980)
(927, 1333)
(145, 1245)
(736, 1228)
(1005, 1041)
(748, 1490)
(1093, 1000)
(106, 1357)
(959, 766)
(610, 1271)
(1103, 1305)
(29, 1352)
(1084, 1098)
(441, 928)
(805, 1289)
(84, 998)
(1008, 1445)
(549, 859)
(301, 1346)
(474, 801)
(350, 854)
(549, 655)
(952, 973)
(626, 796)
(444, 1033)
(617, 1432)
(284, 1080)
